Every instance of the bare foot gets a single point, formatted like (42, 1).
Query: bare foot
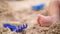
(53, 15)
(44, 20)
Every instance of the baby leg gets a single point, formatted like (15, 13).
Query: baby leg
(53, 10)
(53, 15)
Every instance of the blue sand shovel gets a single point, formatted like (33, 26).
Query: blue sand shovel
(14, 28)
(38, 7)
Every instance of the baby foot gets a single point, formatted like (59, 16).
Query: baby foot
(44, 20)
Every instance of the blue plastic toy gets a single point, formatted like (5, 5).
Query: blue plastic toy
(38, 7)
(24, 25)
(14, 28)
(21, 28)
(6, 25)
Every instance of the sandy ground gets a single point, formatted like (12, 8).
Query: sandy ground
(21, 12)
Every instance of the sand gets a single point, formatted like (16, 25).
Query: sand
(20, 12)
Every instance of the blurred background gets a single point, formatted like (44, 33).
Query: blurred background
(17, 12)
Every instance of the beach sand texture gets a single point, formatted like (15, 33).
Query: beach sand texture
(21, 12)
